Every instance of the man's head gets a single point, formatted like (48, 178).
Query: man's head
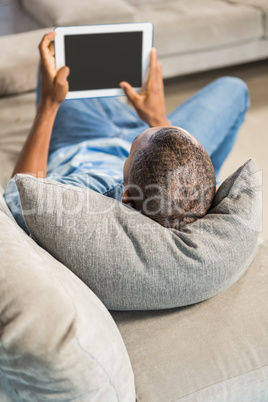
(169, 177)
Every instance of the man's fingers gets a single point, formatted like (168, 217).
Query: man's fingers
(62, 74)
(129, 91)
(51, 48)
(44, 50)
(153, 69)
(159, 80)
(155, 80)
(44, 44)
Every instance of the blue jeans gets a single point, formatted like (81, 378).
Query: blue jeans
(213, 116)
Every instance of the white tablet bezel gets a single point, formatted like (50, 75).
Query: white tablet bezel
(145, 27)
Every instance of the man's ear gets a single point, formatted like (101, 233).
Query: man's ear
(126, 198)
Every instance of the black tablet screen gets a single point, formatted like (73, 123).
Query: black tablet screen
(101, 61)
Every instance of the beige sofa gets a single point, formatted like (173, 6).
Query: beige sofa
(213, 351)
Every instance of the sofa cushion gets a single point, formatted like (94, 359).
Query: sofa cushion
(211, 352)
(183, 26)
(16, 116)
(132, 262)
(68, 12)
(261, 5)
(57, 340)
(19, 61)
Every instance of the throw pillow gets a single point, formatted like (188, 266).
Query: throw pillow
(131, 262)
(57, 340)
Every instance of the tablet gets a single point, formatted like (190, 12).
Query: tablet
(101, 56)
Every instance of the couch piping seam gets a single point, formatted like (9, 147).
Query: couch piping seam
(220, 382)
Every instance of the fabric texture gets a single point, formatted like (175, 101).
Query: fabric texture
(138, 2)
(131, 262)
(82, 12)
(186, 63)
(261, 5)
(215, 23)
(19, 61)
(210, 352)
(192, 28)
(57, 340)
(16, 116)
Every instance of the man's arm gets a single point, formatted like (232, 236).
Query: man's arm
(54, 87)
(150, 104)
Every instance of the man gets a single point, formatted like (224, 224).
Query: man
(168, 175)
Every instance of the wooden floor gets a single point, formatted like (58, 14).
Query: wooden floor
(253, 138)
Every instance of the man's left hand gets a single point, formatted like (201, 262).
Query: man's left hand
(54, 84)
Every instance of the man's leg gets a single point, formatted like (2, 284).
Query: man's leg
(83, 119)
(214, 115)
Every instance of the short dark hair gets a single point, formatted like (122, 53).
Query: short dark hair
(172, 180)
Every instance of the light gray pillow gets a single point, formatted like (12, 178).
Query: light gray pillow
(57, 340)
(131, 262)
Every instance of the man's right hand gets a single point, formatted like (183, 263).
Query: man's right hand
(54, 84)
(150, 104)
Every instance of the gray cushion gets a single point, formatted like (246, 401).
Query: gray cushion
(130, 261)
(57, 340)
(68, 12)
(16, 116)
(214, 351)
(19, 61)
